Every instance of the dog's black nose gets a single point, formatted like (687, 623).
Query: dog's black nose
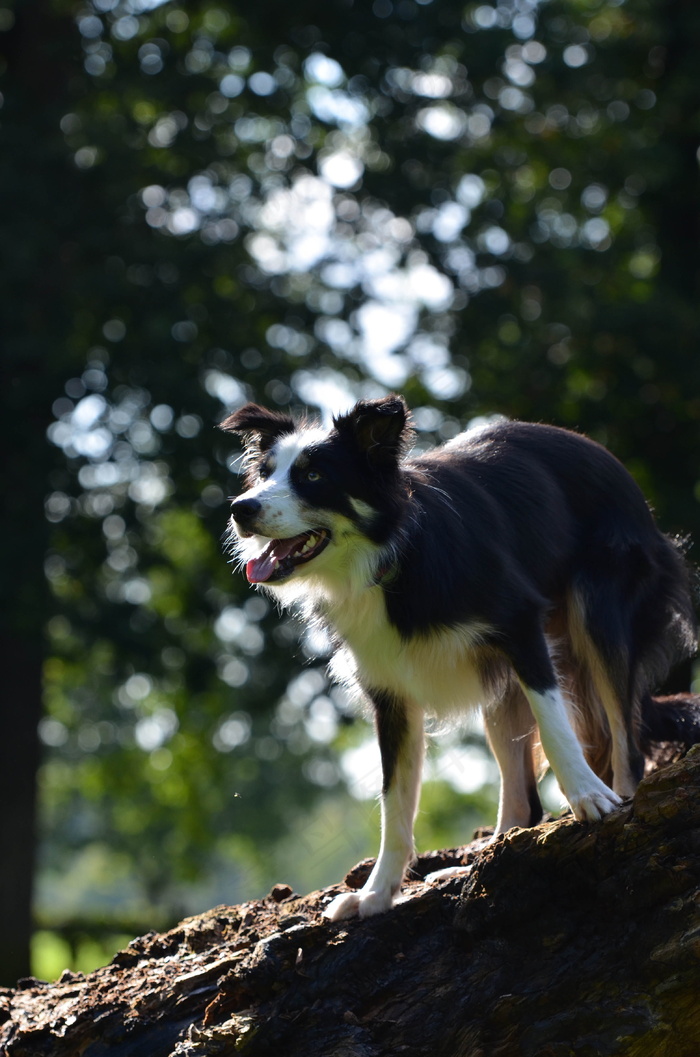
(245, 511)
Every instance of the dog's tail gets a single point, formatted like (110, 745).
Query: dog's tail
(670, 725)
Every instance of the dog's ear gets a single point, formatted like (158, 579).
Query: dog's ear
(258, 426)
(379, 428)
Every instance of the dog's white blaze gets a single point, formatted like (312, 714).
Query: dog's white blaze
(290, 446)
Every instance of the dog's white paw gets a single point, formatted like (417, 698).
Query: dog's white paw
(343, 906)
(591, 804)
(364, 904)
(449, 871)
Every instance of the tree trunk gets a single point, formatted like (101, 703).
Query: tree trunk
(565, 939)
(20, 706)
(38, 191)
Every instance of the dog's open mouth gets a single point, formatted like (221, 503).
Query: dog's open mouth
(281, 557)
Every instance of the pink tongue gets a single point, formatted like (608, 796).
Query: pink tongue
(260, 569)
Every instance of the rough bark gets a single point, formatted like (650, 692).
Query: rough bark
(564, 939)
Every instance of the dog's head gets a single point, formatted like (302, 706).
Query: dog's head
(312, 492)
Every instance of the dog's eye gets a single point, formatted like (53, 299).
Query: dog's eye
(312, 476)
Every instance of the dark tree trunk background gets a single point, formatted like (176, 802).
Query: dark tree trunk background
(37, 52)
(565, 939)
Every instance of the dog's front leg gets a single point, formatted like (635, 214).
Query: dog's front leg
(401, 744)
(589, 798)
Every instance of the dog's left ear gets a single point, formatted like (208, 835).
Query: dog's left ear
(380, 428)
(258, 426)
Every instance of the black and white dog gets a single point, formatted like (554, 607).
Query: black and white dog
(517, 569)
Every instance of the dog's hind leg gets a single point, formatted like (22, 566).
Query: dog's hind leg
(511, 732)
(401, 744)
(626, 758)
(602, 648)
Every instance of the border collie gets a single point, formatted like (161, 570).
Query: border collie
(517, 569)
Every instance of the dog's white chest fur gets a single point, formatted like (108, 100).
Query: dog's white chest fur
(435, 671)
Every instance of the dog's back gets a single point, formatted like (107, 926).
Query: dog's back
(514, 508)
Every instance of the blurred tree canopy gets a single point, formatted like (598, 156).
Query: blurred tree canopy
(492, 208)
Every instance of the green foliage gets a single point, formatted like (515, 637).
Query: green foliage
(489, 208)
(51, 953)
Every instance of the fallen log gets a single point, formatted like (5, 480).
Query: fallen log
(565, 939)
